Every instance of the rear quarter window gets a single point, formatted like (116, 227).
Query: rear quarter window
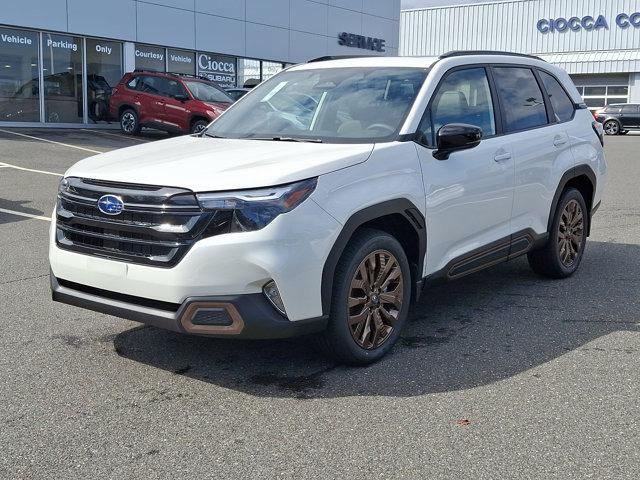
(521, 98)
(563, 106)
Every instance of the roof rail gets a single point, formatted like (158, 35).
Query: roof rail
(338, 57)
(462, 53)
(175, 74)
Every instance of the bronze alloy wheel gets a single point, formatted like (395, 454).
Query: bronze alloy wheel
(375, 299)
(570, 233)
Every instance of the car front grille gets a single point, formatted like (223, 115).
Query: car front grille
(157, 225)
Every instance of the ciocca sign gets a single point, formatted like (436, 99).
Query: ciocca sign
(587, 23)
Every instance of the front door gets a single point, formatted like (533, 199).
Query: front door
(629, 116)
(469, 196)
(177, 110)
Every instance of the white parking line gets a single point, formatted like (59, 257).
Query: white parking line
(28, 215)
(121, 137)
(8, 165)
(50, 141)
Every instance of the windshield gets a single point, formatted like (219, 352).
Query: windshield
(207, 93)
(360, 105)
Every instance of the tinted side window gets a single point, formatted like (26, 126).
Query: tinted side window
(148, 85)
(630, 109)
(562, 105)
(463, 97)
(521, 98)
(173, 88)
(133, 83)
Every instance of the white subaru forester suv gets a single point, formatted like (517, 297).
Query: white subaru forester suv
(325, 200)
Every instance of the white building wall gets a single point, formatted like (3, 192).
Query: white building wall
(512, 26)
(279, 30)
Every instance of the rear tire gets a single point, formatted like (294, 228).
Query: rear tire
(370, 302)
(561, 256)
(611, 127)
(129, 123)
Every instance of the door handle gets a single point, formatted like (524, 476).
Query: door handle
(502, 157)
(559, 141)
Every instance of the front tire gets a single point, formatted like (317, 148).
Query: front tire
(611, 127)
(198, 126)
(561, 256)
(129, 123)
(370, 303)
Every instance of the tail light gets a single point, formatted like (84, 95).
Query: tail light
(599, 130)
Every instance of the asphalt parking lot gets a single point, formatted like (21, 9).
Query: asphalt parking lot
(499, 375)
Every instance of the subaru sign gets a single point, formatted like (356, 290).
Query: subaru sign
(587, 23)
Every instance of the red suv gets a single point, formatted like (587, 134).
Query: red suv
(166, 101)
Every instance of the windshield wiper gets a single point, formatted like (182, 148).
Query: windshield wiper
(284, 139)
(211, 135)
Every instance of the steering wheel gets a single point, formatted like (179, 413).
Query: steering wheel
(381, 126)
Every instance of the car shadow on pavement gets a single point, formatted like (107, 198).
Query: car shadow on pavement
(484, 328)
(19, 207)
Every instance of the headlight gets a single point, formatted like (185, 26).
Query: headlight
(255, 209)
(63, 185)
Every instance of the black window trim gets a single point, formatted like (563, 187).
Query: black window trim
(547, 96)
(497, 104)
(545, 99)
(497, 110)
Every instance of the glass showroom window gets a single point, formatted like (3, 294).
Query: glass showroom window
(150, 58)
(598, 96)
(269, 69)
(62, 70)
(19, 82)
(248, 72)
(104, 71)
(181, 61)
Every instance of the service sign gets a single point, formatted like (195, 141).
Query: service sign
(220, 69)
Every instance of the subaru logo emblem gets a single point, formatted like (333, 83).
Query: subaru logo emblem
(110, 205)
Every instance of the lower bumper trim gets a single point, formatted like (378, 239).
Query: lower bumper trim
(251, 316)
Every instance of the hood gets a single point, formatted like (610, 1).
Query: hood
(210, 164)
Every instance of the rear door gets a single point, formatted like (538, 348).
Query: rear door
(151, 100)
(541, 144)
(629, 116)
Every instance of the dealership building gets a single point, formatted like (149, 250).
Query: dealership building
(597, 42)
(59, 59)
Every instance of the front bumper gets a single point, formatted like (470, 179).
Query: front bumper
(247, 316)
(291, 251)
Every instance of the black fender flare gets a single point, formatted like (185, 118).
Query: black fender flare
(569, 175)
(400, 206)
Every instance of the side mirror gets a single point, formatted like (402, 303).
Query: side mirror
(455, 137)
(181, 97)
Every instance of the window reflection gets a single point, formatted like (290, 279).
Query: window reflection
(19, 87)
(62, 67)
(104, 71)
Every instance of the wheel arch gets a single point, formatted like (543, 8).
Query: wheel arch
(612, 119)
(126, 106)
(582, 178)
(197, 116)
(399, 218)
